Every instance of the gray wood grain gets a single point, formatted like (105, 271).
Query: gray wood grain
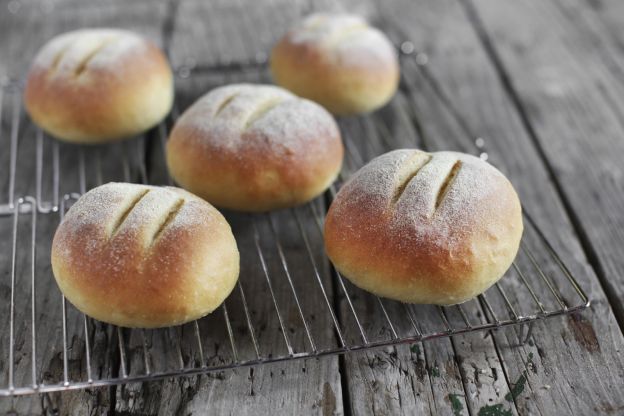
(26, 30)
(569, 366)
(35, 25)
(452, 373)
(477, 105)
(306, 387)
(27, 25)
(575, 68)
(609, 14)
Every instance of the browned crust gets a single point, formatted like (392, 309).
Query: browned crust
(311, 70)
(185, 274)
(258, 174)
(419, 261)
(102, 104)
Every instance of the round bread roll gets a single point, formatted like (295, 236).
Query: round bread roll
(254, 148)
(98, 85)
(435, 228)
(144, 256)
(339, 61)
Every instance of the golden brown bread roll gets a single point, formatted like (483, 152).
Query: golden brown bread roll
(339, 61)
(98, 85)
(144, 256)
(254, 148)
(435, 228)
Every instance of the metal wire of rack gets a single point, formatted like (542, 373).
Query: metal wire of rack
(52, 346)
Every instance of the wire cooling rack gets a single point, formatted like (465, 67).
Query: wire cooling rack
(289, 303)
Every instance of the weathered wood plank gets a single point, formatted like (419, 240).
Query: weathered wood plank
(312, 386)
(562, 84)
(477, 388)
(366, 139)
(27, 25)
(476, 104)
(444, 100)
(603, 17)
(23, 32)
(389, 375)
(381, 371)
(26, 32)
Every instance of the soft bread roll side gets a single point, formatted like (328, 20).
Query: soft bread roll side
(435, 228)
(143, 256)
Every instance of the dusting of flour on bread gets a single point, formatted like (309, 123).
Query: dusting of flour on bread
(134, 212)
(414, 215)
(348, 39)
(229, 116)
(70, 53)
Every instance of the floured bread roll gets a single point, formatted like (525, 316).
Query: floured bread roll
(98, 85)
(144, 256)
(254, 148)
(339, 61)
(436, 228)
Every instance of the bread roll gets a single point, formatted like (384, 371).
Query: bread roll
(254, 148)
(435, 228)
(144, 256)
(98, 85)
(339, 61)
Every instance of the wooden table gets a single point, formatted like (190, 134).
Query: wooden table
(541, 81)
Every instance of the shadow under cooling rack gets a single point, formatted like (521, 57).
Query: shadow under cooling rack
(289, 302)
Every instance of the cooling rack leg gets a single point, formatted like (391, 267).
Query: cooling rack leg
(523, 337)
(529, 331)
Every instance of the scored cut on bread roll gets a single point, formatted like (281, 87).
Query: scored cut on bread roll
(339, 61)
(98, 85)
(433, 228)
(144, 256)
(254, 148)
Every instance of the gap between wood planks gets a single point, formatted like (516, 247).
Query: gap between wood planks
(169, 27)
(447, 102)
(579, 230)
(438, 91)
(167, 30)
